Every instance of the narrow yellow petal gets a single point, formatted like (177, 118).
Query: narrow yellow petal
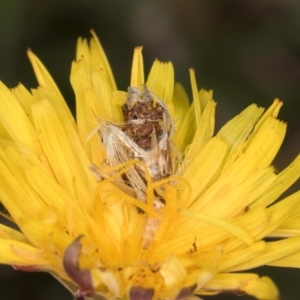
(232, 260)
(137, 69)
(14, 183)
(283, 181)
(107, 278)
(161, 83)
(17, 253)
(199, 118)
(15, 120)
(99, 102)
(253, 222)
(261, 288)
(103, 99)
(25, 98)
(245, 172)
(204, 131)
(42, 93)
(45, 80)
(93, 103)
(181, 104)
(291, 261)
(229, 282)
(100, 61)
(82, 86)
(210, 159)
(69, 165)
(83, 50)
(47, 188)
(269, 138)
(4, 134)
(225, 225)
(279, 212)
(272, 111)
(196, 98)
(44, 234)
(235, 192)
(273, 252)
(119, 98)
(94, 56)
(205, 97)
(266, 143)
(237, 130)
(186, 131)
(11, 234)
(173, 272)
(287, 228)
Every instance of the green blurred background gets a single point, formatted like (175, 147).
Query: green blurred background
(246, 51)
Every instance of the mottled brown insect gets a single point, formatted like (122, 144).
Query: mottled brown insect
(142, 118)
(144, 136)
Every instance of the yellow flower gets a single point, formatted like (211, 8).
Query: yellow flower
(107, 216)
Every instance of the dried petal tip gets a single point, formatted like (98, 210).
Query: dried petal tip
(78, 296)
(185, 292)
(71, 265)
(139, 293)
(32, 268)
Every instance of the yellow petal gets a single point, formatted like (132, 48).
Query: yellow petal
(272, 111)
(107, 278)
(15, 120)
(269, 138)
(17, 253)
(261, 288)
(93, 103)
(95, 57)
(283, 181)
(81, 83)
(237, 130)
(161, 83)
(228, 196)
(137, 69)
(11, 234)
(254, 221)
(186, 131)
(204, 131)
(4, 134)
(181, 104)
(25, 98)
(233, 260)
(69, 165)
(14, 183)
(196, 98)
(173, 272)
(279, 212)
(44, 234)
(287, 228)
(103, 99)
(225, 225)
(45, 80)
(291, 261)
(273, 252)
(210, 159)
(205, 96)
